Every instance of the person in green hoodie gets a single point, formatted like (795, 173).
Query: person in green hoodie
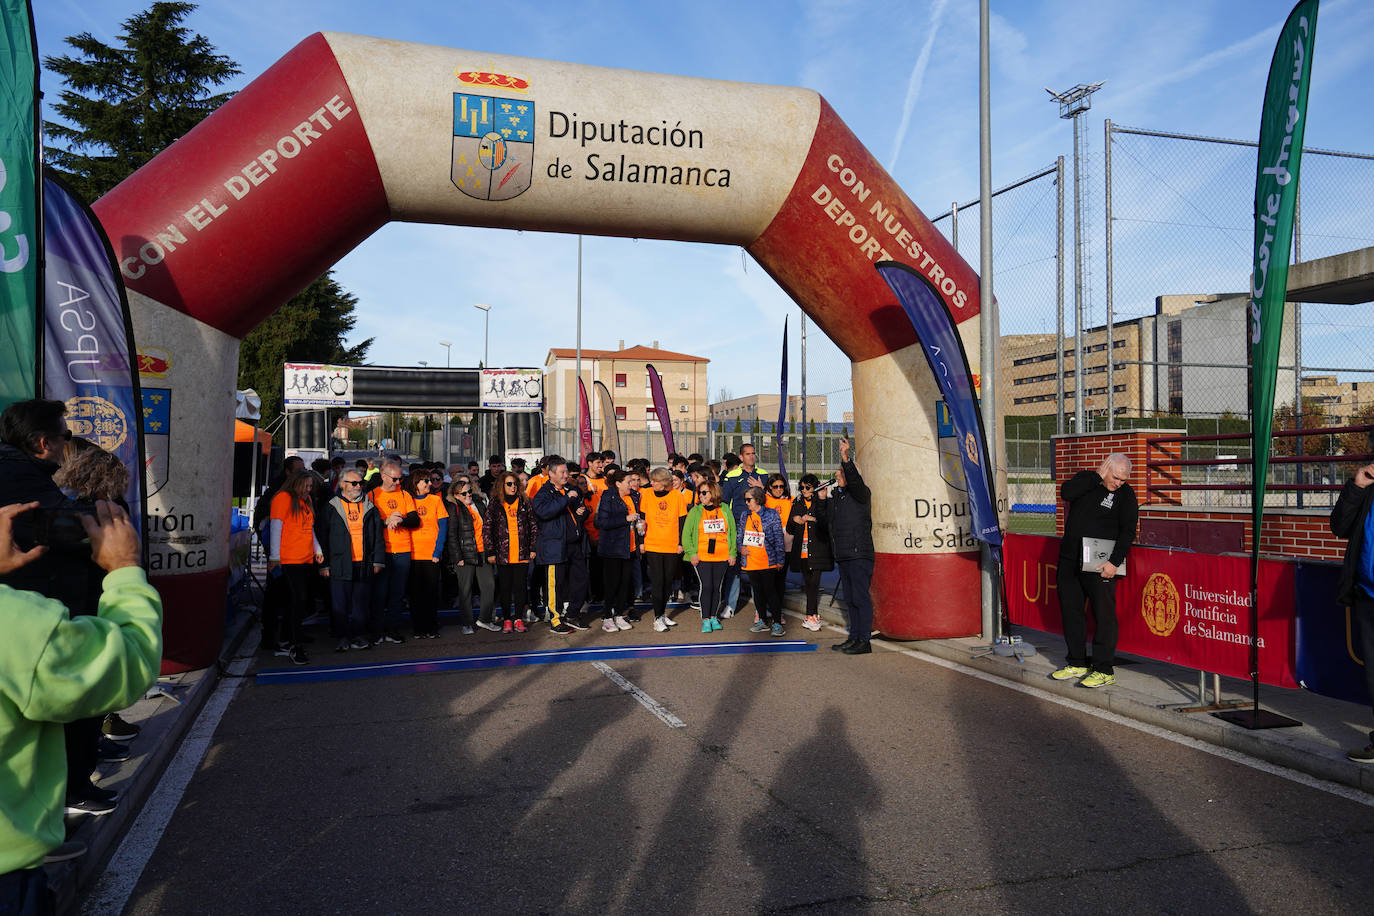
(53, 669)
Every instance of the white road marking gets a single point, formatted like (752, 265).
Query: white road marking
(648, 702)
(1225, 753)
(117, 883)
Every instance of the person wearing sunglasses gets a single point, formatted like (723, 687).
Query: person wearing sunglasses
(760, 547)
(398, 515)
(508, 536)
(465, 553)
(809, 553)
(354, 549)
(708, 542)
(427, 549)
(778, 497)
(617, 519)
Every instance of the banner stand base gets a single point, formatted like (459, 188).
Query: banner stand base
(1256, 719)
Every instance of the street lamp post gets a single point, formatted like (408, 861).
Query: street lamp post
(424, 418)
(486, 334)
(448, 364)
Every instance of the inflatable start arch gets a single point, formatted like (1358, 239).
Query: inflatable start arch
(345, 133)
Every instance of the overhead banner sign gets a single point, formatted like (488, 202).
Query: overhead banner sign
(1185, 608)
(315, 385)
(512, 389)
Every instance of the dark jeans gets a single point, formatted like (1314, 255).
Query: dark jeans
(710, 577)
(298, 578)
(26, 893)
(1075, 589)
(767, 601)
(350, 599)
(465, 576)
(424, 596)
(855, 578)
(579, 582)
(1363, 612)
(617, 578)
(662, 568)
(388, 590)
(510, 588)
(82, 736)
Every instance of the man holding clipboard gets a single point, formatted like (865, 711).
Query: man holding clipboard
(1092, 556)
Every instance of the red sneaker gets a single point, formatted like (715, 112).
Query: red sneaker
(519, 626)
(505, 627)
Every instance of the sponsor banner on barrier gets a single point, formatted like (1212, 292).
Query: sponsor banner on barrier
(1184, 608)
(1329, 661)
(316, 385)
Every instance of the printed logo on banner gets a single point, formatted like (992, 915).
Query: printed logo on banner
(97, 420)
(1159, 604)
(512, 389)
(157, 439)
(947, 446)
(153, 362)
(493, 138)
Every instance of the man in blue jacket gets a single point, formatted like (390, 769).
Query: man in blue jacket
(559, 513)
(1352, 519)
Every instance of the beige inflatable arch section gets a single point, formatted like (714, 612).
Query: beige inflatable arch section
(345, 133)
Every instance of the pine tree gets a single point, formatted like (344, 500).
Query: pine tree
(123, 105)
(310, 328)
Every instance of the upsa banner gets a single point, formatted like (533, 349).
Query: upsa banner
(1184, 608)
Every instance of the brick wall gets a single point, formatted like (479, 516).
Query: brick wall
(1297, 533)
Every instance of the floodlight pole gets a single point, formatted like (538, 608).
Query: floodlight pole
(448, 364)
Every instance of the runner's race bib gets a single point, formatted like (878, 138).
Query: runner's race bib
(713, 525)
(753, 539)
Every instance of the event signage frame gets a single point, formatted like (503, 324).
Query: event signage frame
(317, 385)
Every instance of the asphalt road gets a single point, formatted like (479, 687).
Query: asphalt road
(806, 782)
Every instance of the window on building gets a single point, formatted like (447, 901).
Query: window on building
(620, 411)
(620, 380)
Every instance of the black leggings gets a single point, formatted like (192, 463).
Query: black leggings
(424, 596)
(811, 580)
(662, 568)
(710, 576)
(617, 579)
(297, 576)
(767, 601)
(510, 588)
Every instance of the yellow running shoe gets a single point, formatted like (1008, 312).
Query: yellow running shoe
(1098, 679)
(1068, 671)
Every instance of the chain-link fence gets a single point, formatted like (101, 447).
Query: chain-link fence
(561, 438)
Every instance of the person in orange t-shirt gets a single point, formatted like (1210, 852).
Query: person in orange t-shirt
(509, 535)
(398, 514)
(761, 553)
(778, 497)
(663, 509)
(427, 547)
(293, 552)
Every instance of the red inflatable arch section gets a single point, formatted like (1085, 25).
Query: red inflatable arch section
(346, 133)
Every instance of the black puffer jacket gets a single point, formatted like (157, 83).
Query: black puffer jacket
(461, 543)
(25, 479)
(851, 521)
(1347, 521)
(818, 554)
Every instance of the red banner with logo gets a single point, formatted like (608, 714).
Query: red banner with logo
(1175, 606)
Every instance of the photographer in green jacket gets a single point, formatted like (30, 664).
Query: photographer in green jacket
(55, 668)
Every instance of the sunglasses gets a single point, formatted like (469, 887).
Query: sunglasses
(704, 492)
(775, 486)
(389, 477)
(464, 492)
(512, 483)
(352, 483)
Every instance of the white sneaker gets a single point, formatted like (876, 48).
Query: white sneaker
(659, 625)
(669, 621)
(727, 613)
(813, 624)
(622, 624)
(608, 626)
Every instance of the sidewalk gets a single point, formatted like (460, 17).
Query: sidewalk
(1145, 690)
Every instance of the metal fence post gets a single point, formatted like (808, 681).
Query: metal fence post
(1111, 333)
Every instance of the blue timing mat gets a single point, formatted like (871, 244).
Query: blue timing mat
(308, 675)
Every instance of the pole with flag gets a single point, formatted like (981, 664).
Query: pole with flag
(665, 419)
(782, 405)
(584, 423)
(610, 429)
(21, 204)
(1282, 122)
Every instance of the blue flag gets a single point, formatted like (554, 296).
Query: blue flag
(782, 405)
(945, 352)
(89, 360)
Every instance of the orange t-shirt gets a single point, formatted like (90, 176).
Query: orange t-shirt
(513, 526)
(423, 539)
(354, 512)
(782, 506)
(398, 538)
(297, 530)
(661, 514)
(537, 481)
(806, 531)
(713, 535)
(598, 486)
(755, 553)
(476, 526)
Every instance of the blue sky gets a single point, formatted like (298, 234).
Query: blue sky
(903, 75)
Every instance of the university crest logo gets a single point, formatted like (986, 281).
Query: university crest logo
(493, 137)
(1159, 604)
(98, 420)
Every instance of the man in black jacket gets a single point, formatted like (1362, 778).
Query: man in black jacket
(1351, 519)
(851, 537)
(1101, 505)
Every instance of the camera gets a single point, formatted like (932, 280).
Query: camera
(60, 526)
